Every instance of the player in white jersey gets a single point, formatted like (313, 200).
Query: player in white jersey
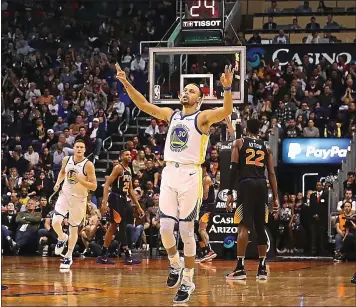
(181, 187)
(78, 174)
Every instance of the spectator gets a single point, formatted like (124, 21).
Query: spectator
(139, 163)
(138, 64)
(330, 24)
(32, 156)
(350, 183)
(292, 131)
(281, 38)
(270, 24)
(28, 223)
(97, 136)
(313, 38)
(152, 129)
(310, 131)
(8, 226)
(255, 38)
(273, 9)
(313, 25)
(305, 8)
(86, 138)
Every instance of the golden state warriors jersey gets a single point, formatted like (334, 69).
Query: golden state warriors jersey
(185, 143)
(70, 187)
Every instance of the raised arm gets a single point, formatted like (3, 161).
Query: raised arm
(209, 117)
(140, 101)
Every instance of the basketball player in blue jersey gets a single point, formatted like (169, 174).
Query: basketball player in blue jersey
(79, 176)
(181, 187)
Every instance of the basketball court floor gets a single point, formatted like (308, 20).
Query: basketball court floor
(37, 281)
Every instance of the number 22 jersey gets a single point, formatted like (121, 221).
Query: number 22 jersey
(252, 158)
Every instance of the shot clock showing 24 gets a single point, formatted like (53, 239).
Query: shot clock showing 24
(203, 15)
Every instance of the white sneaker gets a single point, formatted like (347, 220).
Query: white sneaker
(60, 246)
(66, 263)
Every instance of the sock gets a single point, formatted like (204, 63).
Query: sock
(209, 248)
(187, 276)
(174, 260)
(104, 251)
(262, 261)
(240, 262)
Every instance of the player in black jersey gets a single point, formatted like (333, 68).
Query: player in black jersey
(205, 253)
(249, 158)
(120, 182)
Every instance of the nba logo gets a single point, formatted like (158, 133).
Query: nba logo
(157, 92)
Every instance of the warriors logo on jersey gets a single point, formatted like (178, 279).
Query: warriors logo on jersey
(69, 176)
(179, 138)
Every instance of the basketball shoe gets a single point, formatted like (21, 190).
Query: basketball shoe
(61, 245)
(186, 288)
(353, 280)
(66, 263)
(175, 273)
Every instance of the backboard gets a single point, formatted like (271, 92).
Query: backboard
(170, 69)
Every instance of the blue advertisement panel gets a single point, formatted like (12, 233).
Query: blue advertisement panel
(314, 151)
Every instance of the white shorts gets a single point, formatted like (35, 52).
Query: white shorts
(181, 192)
(76, 207)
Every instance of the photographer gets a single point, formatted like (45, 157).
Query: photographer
(344, 239)
(93, 236)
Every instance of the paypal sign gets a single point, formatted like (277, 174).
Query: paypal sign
(312, 151)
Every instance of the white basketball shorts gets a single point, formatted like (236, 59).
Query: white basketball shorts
(76, 207)
(181, 192)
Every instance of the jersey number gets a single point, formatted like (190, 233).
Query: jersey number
(255, 157)
(126, 186)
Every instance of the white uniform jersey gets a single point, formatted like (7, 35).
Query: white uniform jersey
(70, 187)
(185, 143)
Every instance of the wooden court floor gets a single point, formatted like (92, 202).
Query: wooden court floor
(37, 281)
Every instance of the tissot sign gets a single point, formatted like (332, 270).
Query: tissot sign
(296, 52)
(202, 24)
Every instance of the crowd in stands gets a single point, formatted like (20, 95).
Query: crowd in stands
(58, 85)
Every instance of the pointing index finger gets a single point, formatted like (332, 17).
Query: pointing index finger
(118, 68)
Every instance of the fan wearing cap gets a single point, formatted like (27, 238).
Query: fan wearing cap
(97, 135)
(181, 187)
(50, 140)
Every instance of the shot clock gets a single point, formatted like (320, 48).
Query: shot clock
(203, 15)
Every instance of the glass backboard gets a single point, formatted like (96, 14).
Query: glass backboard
(170, 69)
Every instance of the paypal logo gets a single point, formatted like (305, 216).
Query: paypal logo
(294, 150)
(306, 151)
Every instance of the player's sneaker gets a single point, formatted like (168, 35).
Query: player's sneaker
(175, 274)
(129, 260)
(183, 293)
(353, 280)
(261, 273)
(237, 274)
(104, 260)
(210, 256)
(61, 245)
(66, 263)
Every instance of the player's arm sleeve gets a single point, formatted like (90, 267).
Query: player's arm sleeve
(234, 168)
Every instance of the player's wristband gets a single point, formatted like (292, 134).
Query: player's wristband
(226, 89)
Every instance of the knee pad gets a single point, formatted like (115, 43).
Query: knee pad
(261, 235)
(167, 232)
(186, 230)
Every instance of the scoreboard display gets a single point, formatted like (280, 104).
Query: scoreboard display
(203, 15)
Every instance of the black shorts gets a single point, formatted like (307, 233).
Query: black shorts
(118, 206)
(252, 202)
